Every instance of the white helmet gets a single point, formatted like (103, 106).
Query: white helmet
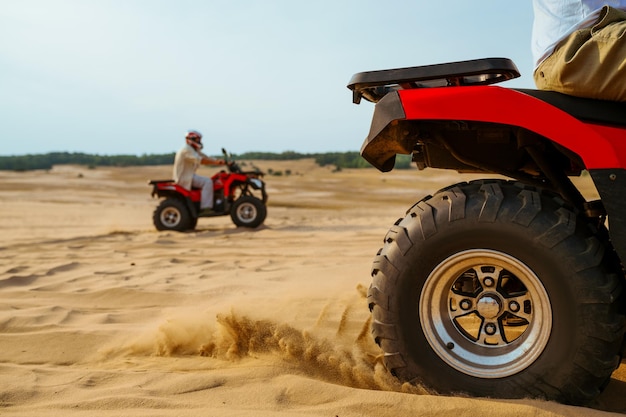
(194, 139)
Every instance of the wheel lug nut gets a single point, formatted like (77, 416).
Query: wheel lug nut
(466, 304)
(514, 306)
(490, 329)
(489, 282)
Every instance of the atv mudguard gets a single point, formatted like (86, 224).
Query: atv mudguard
(598, 146)
(590, 132)
(169, 189)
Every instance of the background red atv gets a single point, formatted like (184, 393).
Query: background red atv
(502, 288)
(234, 194)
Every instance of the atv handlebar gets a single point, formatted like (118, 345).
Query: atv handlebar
(234, 167)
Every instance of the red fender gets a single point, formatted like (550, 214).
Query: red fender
(598, 146)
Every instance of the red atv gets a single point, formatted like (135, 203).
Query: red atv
(234, 194)
(501, 288)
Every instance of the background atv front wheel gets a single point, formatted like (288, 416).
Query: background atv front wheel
(496, 289)
(172, 214)
(248, 211)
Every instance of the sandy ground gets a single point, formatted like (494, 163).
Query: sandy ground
(101, 315)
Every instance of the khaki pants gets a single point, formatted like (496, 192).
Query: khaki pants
(591, 62)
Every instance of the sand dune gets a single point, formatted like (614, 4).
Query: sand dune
(102, 315)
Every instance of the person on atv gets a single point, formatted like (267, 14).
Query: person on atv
(579, 47)
(187, 161)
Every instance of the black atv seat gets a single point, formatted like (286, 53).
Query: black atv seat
(587, 109)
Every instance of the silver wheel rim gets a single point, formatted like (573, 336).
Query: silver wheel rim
(485, 313)
(170, 217)
(246, 212)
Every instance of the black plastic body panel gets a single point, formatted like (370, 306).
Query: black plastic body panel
(611, 185)
(382, 153)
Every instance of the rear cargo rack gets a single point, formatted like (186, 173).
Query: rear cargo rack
(374, 85)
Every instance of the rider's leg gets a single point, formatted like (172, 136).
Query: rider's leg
(206, 184)
(590, 62)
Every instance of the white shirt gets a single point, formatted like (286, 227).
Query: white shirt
(556, 19)
(186, 162)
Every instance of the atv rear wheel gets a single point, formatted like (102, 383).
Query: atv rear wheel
(248, 211)
(172, 214)
(496, 289)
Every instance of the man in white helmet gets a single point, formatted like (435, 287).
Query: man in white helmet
(187, 161)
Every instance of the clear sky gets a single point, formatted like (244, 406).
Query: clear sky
(131, 76)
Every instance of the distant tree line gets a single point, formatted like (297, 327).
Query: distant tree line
(46, 161)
